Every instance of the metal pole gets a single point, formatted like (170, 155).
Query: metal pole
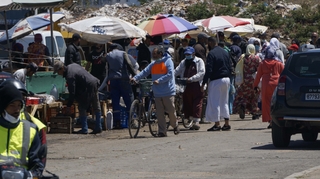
(8, 42)
(52, 38)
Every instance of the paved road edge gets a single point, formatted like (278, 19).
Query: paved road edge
(305, 172)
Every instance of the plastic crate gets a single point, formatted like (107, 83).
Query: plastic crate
(124, 117)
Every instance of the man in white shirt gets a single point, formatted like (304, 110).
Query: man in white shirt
(22, 73)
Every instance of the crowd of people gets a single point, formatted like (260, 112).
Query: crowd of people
(208, 65)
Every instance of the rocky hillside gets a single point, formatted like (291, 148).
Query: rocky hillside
(292, 18)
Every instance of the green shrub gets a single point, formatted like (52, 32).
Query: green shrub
(230, 10)
(225, 2)
(259, 8)
(273, 20)
(198, 11)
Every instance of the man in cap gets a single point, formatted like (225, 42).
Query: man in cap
(38, 52)
(73, 54)
(22, 73)
(200, 47)
(282, 46)
(121, 67)
(193, 69)
(17, 135)
(83, 87)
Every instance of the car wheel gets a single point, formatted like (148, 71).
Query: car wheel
(309, 136)
(280, 136)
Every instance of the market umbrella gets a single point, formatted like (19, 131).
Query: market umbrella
(162, 24)
(29, 24)
(102, 29)
(219, 23)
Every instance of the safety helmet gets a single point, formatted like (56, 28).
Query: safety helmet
(18, 84)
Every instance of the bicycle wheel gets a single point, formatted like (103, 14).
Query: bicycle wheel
(187, 123)
(134, 119)
(152, 119)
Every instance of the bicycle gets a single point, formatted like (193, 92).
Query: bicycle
(138, 117)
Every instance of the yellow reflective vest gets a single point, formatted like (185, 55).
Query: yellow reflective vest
(36, 121)
(16, 142)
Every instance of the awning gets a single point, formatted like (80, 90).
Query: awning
(32, 4)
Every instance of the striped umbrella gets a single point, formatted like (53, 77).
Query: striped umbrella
(166, 24)
(218, 23)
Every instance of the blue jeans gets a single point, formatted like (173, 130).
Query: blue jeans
(118, 88)
(231, 94)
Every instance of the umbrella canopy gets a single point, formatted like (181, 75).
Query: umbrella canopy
(29, 24)
(248, 28)
(219, 23)
(102, 29)
(166, 24)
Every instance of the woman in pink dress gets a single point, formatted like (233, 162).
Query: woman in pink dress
(269, 69)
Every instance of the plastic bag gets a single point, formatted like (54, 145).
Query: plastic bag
(239, 71)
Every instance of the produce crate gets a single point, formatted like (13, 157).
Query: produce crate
(61, 124)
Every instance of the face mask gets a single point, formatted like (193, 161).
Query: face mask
(189, 57)
(10, 118)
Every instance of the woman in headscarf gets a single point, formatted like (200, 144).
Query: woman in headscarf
(246, 97)
(270, 70)
(275, 44)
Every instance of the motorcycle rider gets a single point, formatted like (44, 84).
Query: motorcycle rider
(21, 143)
(24, 115)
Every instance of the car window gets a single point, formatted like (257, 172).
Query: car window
(61, 46)
(305, 65)
(48, 44)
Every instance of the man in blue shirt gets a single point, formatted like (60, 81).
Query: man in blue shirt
(164, 89)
